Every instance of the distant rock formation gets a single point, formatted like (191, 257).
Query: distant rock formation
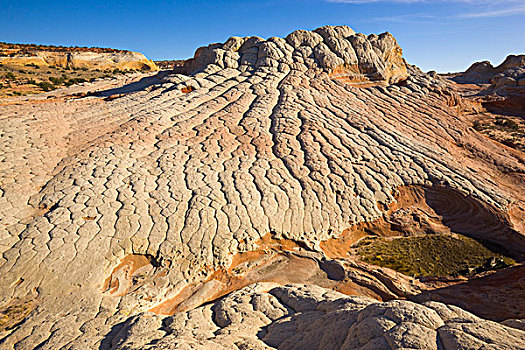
(170, 64)
(506, 92)
(511, 72)
(74, 58)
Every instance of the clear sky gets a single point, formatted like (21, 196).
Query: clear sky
(442, 35)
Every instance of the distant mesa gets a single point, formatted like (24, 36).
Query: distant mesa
(169, 64)
(73, 57)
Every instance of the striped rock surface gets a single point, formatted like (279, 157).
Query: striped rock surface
(165, 180)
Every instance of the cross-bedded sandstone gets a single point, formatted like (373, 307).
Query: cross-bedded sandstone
(275, 136)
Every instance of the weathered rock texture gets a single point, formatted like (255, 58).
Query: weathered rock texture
(501, 92)
(116, 205)
(265, 316)
(339, 50)
(74, 58)
(485, 73)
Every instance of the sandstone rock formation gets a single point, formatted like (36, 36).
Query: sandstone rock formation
(510, 72)
(265, 316)
(337, 49)
(75, 58)
(500, 91)
(506, 92)
(126, 210)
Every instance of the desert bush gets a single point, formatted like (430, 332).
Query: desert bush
(73, 81)
(416, 256)
(507, 123)
(44, 85)
(10, 76)
(58, 80)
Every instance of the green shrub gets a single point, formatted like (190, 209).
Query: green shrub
(32, 82)
(73, 81)
(10, 76)
(58, 80)
(44, 85)
(432, 255)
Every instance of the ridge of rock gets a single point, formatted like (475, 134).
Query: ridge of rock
(154, 204)
(266, 316)
(484, 72)
(338, 49)
(74, 58)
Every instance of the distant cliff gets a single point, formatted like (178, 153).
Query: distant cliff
(73, 57)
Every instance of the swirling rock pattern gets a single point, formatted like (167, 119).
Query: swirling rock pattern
(338, 49)
(265, 316)
(264, 136)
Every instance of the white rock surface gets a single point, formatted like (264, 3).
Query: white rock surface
(191, 170)
(262, 316)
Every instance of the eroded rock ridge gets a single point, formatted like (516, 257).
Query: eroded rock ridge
(344, 53)
(124, 207)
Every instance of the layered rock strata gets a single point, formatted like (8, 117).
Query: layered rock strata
(185, 172)
(81, 58)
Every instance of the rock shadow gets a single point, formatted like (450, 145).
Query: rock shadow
(132, 87)
(472, 217)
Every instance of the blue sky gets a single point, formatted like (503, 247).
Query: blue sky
(442, 35)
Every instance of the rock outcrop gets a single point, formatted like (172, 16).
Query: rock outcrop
(505, 93)
(75, 58)
(510, 72)
(134, 216)
(337, 49)
(266, 316)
